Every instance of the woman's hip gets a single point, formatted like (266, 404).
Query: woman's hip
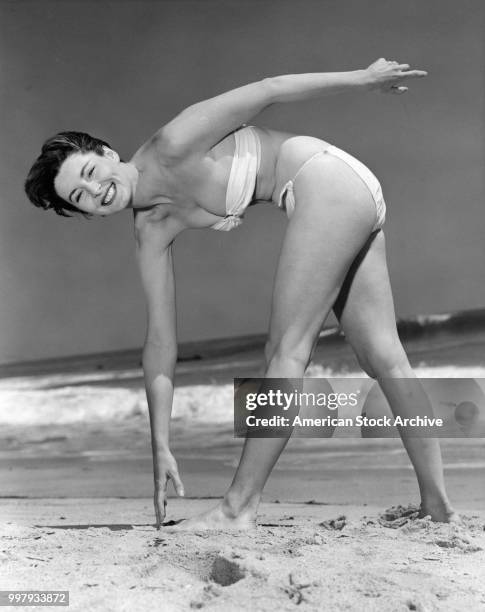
(300, 158)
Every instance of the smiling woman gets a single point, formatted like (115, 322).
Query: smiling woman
(76, 173)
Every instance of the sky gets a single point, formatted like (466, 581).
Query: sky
(120, 70)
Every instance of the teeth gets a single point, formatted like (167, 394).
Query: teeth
(109, 195)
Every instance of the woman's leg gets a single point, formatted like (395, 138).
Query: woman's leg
(366, 312)
(333, 218)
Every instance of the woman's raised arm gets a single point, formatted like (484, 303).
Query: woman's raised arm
(201, 126)
(384, 75)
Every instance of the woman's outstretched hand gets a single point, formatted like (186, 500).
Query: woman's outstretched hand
(166, 469)
(388, 76)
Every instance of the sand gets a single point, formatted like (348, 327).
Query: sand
(77, 515)
(107, 553)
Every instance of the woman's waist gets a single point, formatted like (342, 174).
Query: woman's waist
(277, 151)
(248, 173)
(293, 153)
(272, 143)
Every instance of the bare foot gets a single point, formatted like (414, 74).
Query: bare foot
(439, 512)
(217, 518)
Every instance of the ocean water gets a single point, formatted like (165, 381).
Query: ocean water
(87, 435)
(96, 398)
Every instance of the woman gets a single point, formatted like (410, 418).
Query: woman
(202, 170)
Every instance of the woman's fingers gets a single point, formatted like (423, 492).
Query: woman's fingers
(387, 75)
(400, 76)
(167, 469)
(398, 89)
(410, 74)
(160, 503)
(413, 73)
(177, 483)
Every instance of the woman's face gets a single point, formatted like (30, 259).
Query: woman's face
(96, 184)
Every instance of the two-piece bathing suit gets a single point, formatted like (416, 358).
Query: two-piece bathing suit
(244, 171)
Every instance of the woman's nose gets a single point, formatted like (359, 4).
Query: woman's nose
(94, 188)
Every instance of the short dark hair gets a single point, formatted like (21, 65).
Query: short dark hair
(39, 185)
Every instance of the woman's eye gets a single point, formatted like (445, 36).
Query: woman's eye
(79, 197)
(91, 172)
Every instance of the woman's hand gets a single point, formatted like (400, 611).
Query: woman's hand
(387, 76)
(165, 469)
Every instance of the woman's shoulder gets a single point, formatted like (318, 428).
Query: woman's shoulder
(149, 216)
(161, 146)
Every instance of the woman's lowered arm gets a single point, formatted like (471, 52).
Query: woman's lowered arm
(159, 360)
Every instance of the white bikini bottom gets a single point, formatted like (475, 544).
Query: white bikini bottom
(286, 200)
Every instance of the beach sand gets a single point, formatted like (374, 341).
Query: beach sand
(107, 553)
(77, 515)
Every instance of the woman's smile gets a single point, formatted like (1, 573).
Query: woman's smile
(109, 196)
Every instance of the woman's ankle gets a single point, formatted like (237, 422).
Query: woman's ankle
(236, 504)
(436, 503)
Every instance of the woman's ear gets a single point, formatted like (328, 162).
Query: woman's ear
(111, 154)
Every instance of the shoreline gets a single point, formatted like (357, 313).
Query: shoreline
(428, 333)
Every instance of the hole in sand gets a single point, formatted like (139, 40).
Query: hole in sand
(226, 572)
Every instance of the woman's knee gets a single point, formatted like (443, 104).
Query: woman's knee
(284, 352)
(386, 359)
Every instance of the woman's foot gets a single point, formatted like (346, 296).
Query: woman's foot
(221, 517)
(439, 511)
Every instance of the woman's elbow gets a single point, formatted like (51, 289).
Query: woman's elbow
(159, 356)
(271, 87)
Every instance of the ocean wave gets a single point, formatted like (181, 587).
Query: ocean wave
(201, 403)
(67, 379)
(87, 404)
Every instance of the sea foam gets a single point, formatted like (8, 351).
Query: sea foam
(33, 403)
